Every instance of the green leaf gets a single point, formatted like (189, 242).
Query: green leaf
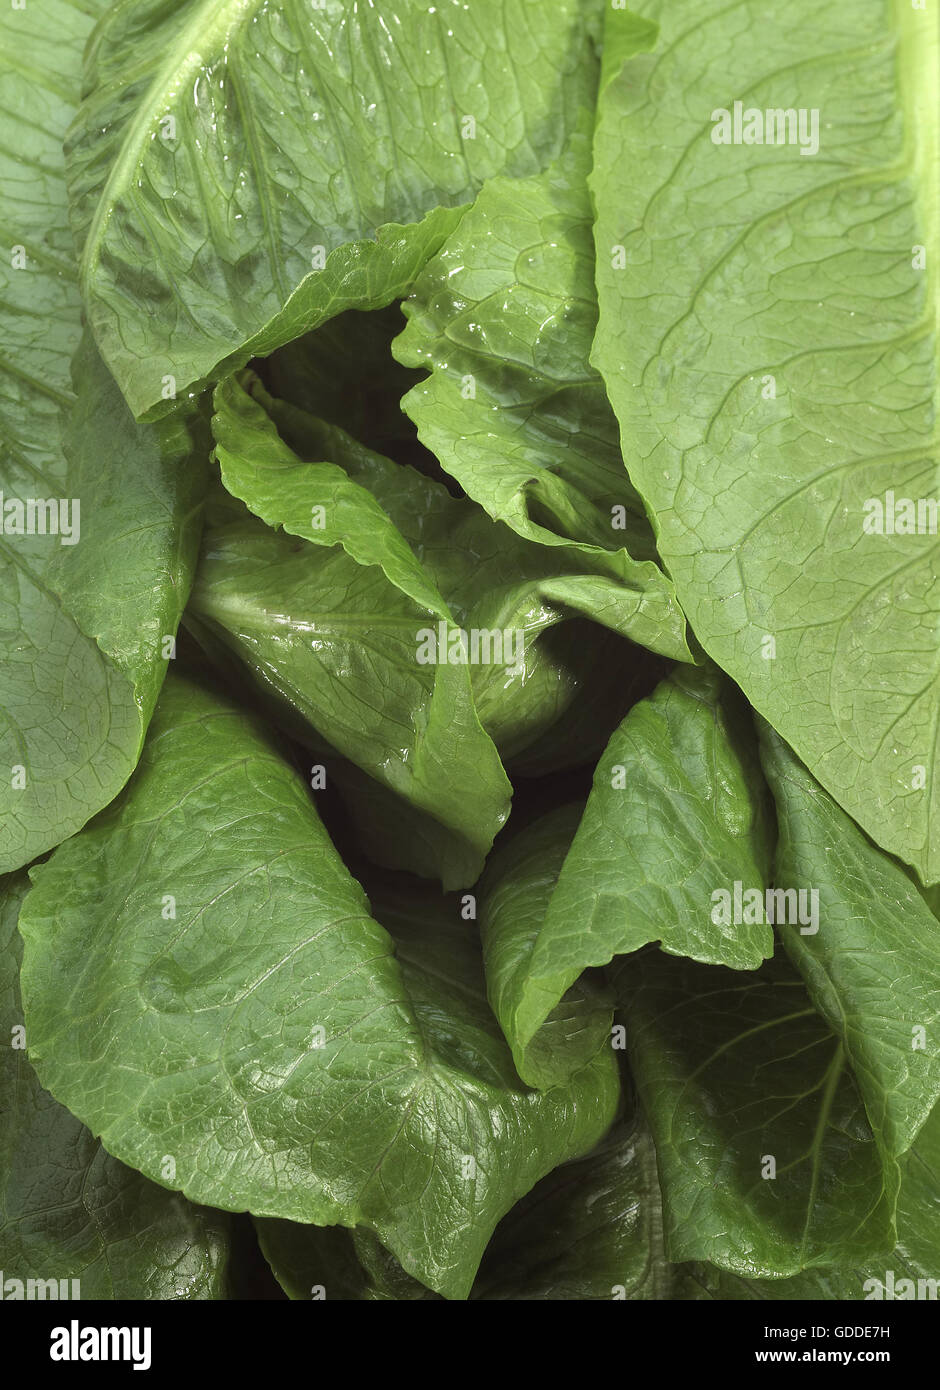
(767, 1161)
(68, 1210)
(490, 577)
(266, 1037)
(330, 1262)
(871, 968)
(443, 553)
(579, 680)
(226, 152)
(395, 834)
(676, 813)
(336, 644)
(314, 498)
(504, 317)
(82, 615)
(590, 1231)
(909, 1272)
(143, 488)
(516, 891)
(786, 374)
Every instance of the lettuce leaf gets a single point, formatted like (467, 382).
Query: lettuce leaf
(252, 1022)
(768, 337)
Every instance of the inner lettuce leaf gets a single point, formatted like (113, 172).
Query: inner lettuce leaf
(768, 337)
(316, 498)
(241, 172)
(93, 582)
(426, 561)
(678, 811)
(204, 981)
(516, 890)
(284, 464)
(331, 644)
(504, 317)
(344, 373)
(68, 1210)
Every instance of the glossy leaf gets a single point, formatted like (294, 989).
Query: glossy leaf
(84, 610)
(767, 1160)
(266, 1036)
(676, 814)
(768, 338)
(68, 1210)
(406, 533)
(240, 173)
(872, 967)
(590, 1231)
(504, 317)
(336, 644)
(909, 1272)
(314, 497)
(516, 891)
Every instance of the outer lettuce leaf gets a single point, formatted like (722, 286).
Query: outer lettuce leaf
(784, 371)
(677, 811)
(267, 1038)
(81, 626)
(872, 969)
(516, 890)
(221, 144)
(508, 306)
(592, 1230)
(735, 1070)
(68, 1210)
(143, 488)
(914, 1259)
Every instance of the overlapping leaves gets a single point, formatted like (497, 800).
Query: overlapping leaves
(662, 371)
